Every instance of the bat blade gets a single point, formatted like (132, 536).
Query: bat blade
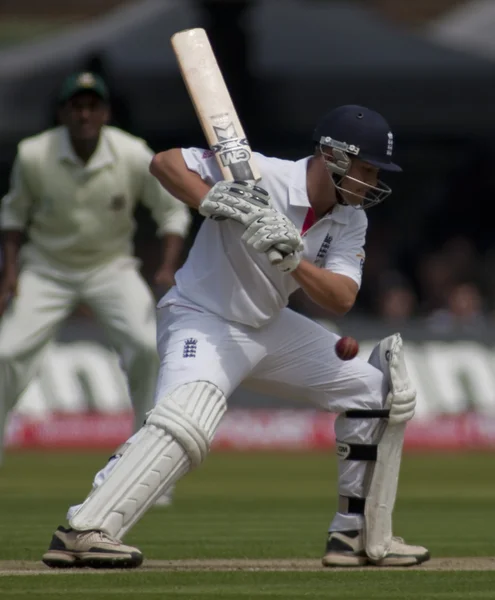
(215, 110)
(213, 104)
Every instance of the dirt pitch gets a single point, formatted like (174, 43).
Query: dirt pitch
(19, 567)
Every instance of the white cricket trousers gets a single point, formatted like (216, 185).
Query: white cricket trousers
(291, 357)
(122, 303)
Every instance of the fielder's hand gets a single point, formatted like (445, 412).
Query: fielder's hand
(236, 200)
(8, 288)
(165, 277)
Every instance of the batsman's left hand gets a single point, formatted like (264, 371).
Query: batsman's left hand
(236, 200)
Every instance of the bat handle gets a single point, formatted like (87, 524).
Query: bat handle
(275, 257)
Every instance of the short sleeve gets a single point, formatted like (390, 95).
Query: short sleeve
(347, 256)
(203, 163)
(170, 214)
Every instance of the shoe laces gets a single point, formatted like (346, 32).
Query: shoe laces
(103, 537)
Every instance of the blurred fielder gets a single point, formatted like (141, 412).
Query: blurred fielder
(226, 323)
(73, 193)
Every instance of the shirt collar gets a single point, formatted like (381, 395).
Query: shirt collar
(102, 156)
(298, 195)
(341, 214)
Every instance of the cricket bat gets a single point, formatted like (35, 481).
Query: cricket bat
(215, 110)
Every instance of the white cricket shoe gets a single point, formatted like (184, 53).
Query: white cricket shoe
(71, 548)
(347, 549)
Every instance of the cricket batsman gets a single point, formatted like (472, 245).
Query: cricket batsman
(226, 323)
(73, 192)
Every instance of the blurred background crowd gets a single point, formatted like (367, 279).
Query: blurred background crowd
(427, 65)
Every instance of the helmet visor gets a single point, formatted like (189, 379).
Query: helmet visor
(384, 166)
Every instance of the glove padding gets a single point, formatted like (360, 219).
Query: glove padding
(245, 203)
(290, 262)
(237, 200)
(275, 230)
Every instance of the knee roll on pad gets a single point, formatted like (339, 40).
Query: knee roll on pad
(191, 415)
(176, 436)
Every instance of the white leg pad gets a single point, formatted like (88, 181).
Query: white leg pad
(400, 399)
(175, 438)
(382, 492)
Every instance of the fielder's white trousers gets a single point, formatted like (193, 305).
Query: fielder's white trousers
(122, 303)
(292, 357)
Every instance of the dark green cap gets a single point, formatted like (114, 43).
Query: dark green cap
(83, 82)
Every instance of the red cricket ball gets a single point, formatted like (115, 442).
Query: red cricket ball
(346, 348)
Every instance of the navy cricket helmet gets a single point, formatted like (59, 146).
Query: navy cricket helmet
(353, 131)
(364, 132)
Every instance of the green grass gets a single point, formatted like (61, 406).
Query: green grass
(231, 586)
(254, 506)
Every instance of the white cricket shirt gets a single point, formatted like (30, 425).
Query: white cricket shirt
(225, 277)
(81, 215)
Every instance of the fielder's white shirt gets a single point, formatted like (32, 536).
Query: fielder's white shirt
(81, 215)
(225, 277)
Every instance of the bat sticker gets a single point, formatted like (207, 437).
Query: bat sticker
(233, 151)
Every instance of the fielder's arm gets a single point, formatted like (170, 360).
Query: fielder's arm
(172, 247)
(332, 291)
(172, 218)
(11, 243)
(14, 215)
(172, 172)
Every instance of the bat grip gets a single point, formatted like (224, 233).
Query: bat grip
(275, 257)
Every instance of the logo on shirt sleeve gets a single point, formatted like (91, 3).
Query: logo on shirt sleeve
(190, 347)
(362, 258)
(208, 154)
(323, 251)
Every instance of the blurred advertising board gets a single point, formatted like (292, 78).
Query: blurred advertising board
(80, 399)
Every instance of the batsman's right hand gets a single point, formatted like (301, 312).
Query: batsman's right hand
(8, 289)
(247, 203)
(237, 200)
